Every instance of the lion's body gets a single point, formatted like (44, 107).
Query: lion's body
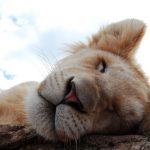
(98, 88)
(12, 104)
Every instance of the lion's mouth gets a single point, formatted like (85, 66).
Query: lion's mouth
(71, 97)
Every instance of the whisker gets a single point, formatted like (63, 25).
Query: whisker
(39, 67)
(46, 59)
(76, 143)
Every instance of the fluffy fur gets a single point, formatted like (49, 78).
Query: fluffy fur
(97, 89)
(12, 103)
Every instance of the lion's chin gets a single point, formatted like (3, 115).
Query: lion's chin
(71, 124)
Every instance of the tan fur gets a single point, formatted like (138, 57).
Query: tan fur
(120, 38)
(12, 104)
(113, 92)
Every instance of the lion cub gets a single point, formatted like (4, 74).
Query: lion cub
(97, 89)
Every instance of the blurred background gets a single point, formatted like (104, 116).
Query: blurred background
(34, 32)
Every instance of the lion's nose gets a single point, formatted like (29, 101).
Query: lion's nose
(71, 96)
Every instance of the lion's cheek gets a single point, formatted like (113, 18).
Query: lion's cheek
(40, 115)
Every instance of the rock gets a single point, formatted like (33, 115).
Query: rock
(24, 138)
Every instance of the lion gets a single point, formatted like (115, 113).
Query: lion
(99, 88)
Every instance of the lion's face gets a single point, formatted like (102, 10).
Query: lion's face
(92, 90)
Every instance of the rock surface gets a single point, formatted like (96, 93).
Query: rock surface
(23, 138)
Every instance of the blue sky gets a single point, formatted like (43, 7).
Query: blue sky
(33, 32)
(7, 76)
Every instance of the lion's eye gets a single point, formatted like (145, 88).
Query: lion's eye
(103, 66)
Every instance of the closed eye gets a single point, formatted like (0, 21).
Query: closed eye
(103, 67)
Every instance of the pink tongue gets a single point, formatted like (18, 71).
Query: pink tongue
(71, 97)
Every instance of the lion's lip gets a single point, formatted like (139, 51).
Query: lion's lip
(71, 98)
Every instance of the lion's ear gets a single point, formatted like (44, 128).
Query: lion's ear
(120, 38)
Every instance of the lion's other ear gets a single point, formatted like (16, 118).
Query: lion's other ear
(120, 38)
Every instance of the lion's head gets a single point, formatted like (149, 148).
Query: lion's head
(96, 89)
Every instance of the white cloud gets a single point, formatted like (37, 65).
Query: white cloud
(23, 70)
(47, 24)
